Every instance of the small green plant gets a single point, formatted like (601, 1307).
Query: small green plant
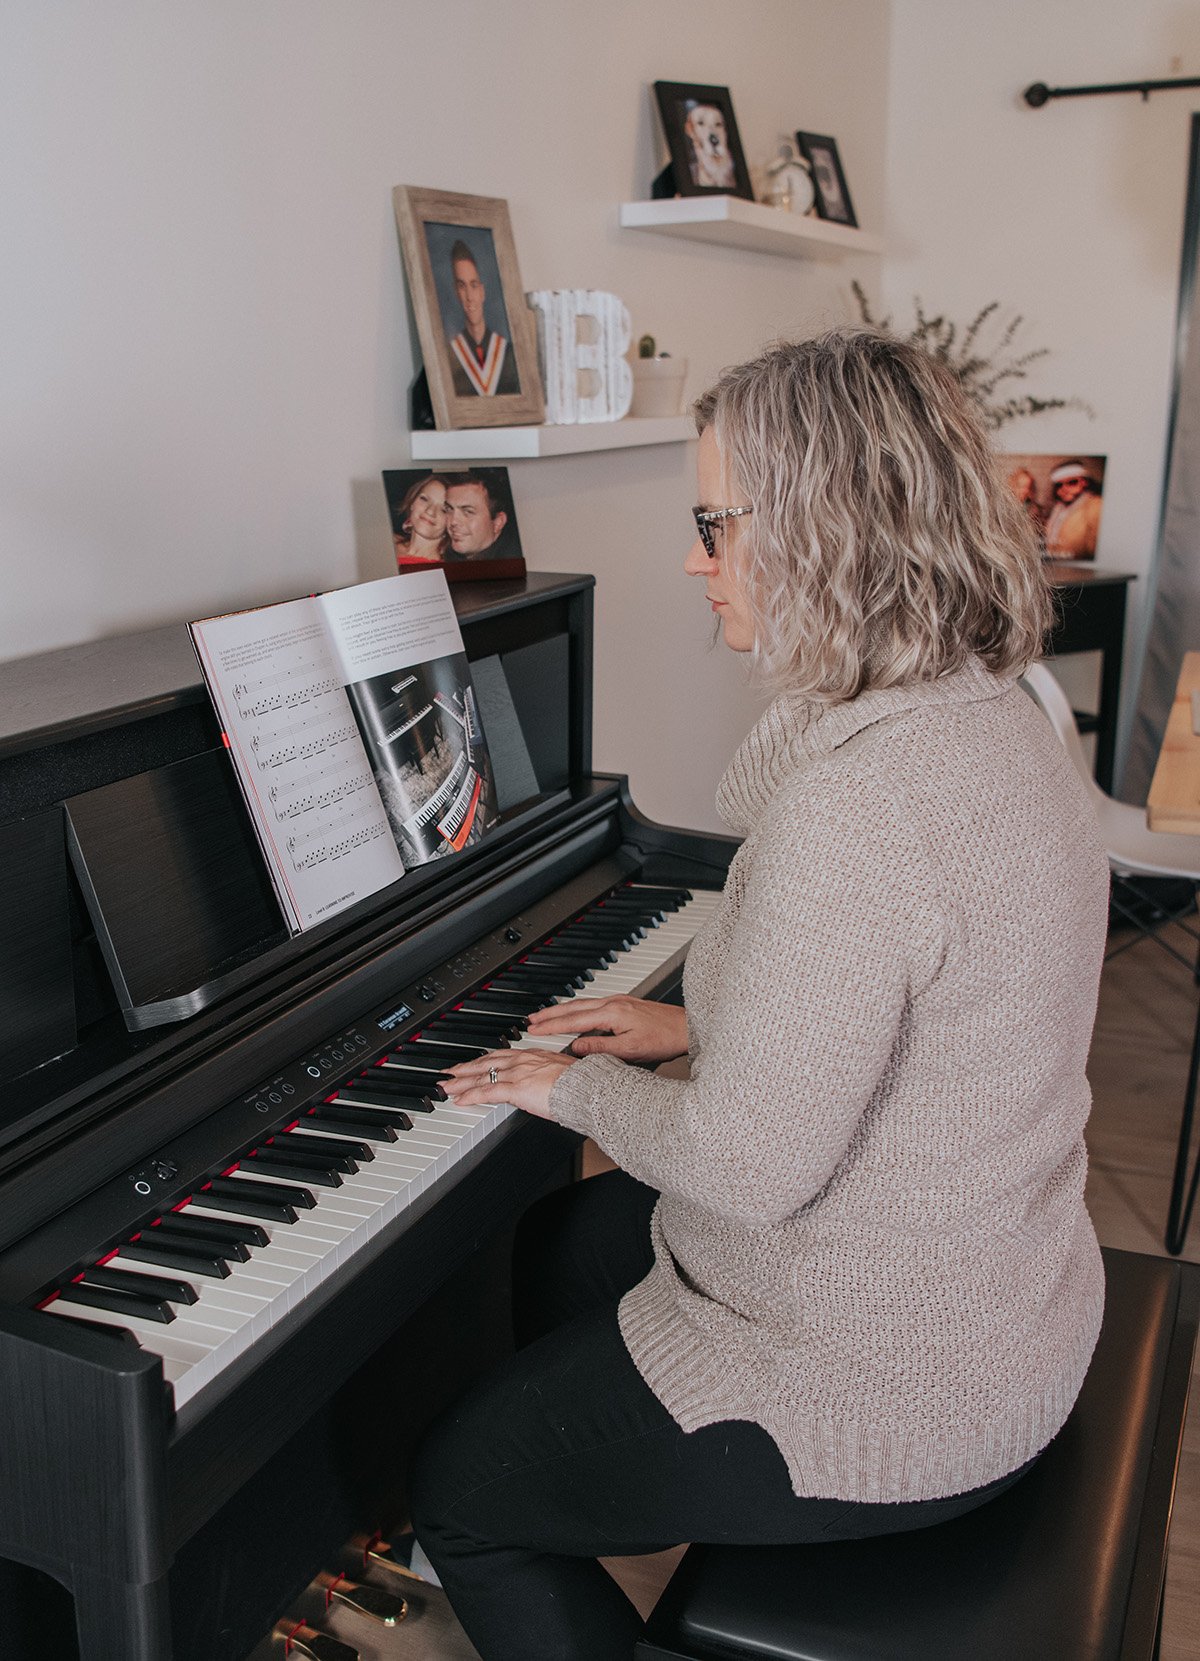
(980, 371)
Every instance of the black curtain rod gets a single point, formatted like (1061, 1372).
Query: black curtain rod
(1039, 93)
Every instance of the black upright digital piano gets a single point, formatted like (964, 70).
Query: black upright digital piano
(245, 1250)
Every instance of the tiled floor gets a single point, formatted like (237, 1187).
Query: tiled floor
(1139, 1064)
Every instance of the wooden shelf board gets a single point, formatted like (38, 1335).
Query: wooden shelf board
(740, 224)
(517, 443)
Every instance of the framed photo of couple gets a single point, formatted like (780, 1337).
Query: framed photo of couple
(461, 519)
(478, 336)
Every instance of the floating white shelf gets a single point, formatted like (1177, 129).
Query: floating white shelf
(740, 224)
(516, 443)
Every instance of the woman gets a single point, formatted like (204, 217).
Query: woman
(843, 1282)
(422, 519)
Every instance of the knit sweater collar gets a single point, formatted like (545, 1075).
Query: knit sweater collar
(794, 729)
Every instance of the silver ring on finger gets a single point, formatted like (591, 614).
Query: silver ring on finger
(493, 1076)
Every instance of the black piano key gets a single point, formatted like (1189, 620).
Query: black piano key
(535, 980)
(388, 1101)
(353, 1153)
(399, 1083)
(321, 1173)
(669, 898)
(490, 1026)
(148, 1286)
(502, 1003)
(444, 1049)
(193, 1257)
(458, 1044)
(121, 1303)
(380, 1127)
(617, 935)
(583, 953)
(218, 1229)
(427, 1057)
(252, 1199)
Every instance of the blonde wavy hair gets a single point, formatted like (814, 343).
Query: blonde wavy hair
(884, 546)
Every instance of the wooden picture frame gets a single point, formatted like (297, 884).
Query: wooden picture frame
(478, 336)
(829, 181)
(702, 134)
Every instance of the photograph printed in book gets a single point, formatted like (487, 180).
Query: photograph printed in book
(355, 736)
(476, 333)
(425, 740)
(459, 519)
(1063, 497)
(702, 136)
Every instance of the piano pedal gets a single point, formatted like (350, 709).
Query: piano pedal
(363, 1598)
(298, 1638)
(380, 1553)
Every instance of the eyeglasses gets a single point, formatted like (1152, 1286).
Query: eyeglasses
(706, 518)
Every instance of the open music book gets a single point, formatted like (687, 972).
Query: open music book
(355, 734)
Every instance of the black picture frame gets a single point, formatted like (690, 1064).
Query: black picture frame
(481, 540)
(706, 148)
(829, 181)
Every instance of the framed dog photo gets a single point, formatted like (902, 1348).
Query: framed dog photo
(829, 182)
(478, 336)
(702, 134)
(462, 519)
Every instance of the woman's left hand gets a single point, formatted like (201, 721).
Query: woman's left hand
(523, 1077)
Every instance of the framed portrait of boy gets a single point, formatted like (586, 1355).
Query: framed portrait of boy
(702, 135)
(478, 336)
(829, 182)
(461, 519)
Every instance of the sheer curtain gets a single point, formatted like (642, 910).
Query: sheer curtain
(1174, 614)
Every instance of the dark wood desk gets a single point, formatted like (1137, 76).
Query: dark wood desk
(1091, 618)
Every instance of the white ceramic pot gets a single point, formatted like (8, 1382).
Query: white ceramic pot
(658, 386)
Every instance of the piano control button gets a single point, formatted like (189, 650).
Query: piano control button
(280, 1161)
(335, 1120)
(364, 1599)
(120, 1303)
(134, 1280)
(305, 1640)
(192, 1256)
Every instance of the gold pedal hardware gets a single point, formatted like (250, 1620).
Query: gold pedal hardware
(364, 1599)
(377, 1553)
(298, 1638)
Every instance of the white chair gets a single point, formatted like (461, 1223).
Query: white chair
(1134, 851)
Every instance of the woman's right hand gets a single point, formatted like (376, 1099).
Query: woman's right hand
(632, 1029)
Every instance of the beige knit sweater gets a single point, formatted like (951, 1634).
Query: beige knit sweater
(871, 1239)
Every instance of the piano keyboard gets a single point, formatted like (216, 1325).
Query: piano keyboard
(200, 1284)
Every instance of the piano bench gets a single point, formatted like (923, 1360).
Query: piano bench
(1067, 1564)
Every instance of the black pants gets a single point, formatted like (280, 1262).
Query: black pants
(564, 1455)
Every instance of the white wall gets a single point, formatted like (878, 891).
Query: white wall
(206, 352)
(1071, 215)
